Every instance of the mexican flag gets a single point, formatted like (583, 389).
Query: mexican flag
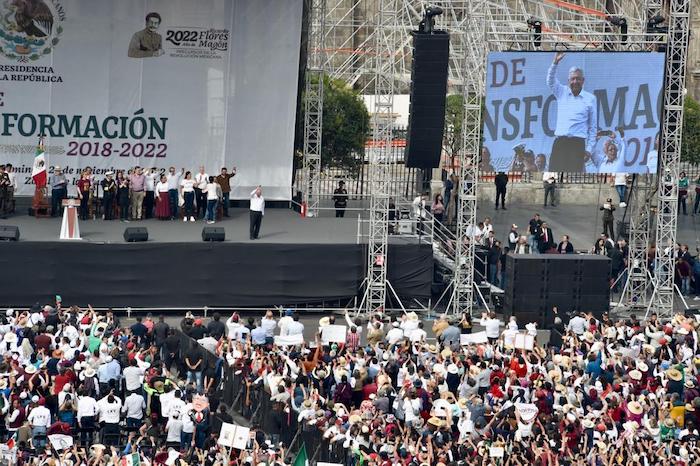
(301, 459)
(39, 166)
(131, 460)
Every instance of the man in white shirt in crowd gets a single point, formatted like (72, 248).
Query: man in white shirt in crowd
(109, 411)
(418, 335)
(549, 181)
(235, 330)
(578, 324)
(40, 420)
(491, 326)
(394, 335)
(200, 184)
(295, 327)
(134, 406)
(209, 343)
(257, 211)
(173, 178)
(576, 125)
(268, 324)
(87, 417)
(133, 377)
(285, 321)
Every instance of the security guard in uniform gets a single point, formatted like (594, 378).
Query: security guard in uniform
(109, 190)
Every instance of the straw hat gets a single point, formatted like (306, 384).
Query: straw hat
(560, 388)
(10, 337)
(449, 396)
(355, 418)
(642, 366)
(635, 407)
(432, 349)
(588, 337)
(436, 422)
(89, 372)
(689, 407)
(323, 321)
(439, 369)
(689, 383)
(462, 403)
(648, 348)
(588, 424)
(554, 375)
(412, 316)
(602, 446)
(635, 375)
(30, 370)
(674, 374)
(669, 422)
(3, 384)
(452, 369)
(446, 353)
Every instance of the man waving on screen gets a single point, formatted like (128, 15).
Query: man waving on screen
(576, 120)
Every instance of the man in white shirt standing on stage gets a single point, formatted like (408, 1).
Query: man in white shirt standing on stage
(257, 210)
(173, 178)
(576, 120)
(200, 185)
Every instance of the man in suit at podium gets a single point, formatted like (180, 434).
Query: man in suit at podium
(546, 238)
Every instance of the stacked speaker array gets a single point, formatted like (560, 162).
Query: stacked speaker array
(537, 283)
(426, 120)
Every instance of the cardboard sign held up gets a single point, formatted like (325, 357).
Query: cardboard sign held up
(334, 333)
(473, 338)
(524, 341)
(233, 436)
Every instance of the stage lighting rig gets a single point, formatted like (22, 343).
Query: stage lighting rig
(427, 24)
(536, 25)
(621, 23)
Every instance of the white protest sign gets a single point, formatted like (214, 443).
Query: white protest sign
(226, 434)
(233, 436)
(61, 442)
(509, 338)
(524, 341)
(528, 411)
(328, 464)
(334, 333)
(473, 338)
(289, 340)
(496, 452)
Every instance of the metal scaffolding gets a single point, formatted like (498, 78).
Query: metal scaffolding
(636, 289)
(313, 105)
(474, 64)
(670, 156)
(385, 50)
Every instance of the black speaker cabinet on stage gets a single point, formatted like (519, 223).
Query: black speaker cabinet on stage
(135, 234)
(537, 283)
(426, 119)
(9, 233)
(213, 234)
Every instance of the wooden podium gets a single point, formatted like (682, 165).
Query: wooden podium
(70, 229)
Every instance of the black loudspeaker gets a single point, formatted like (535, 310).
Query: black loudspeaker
(135, 234)
(9, 233)
(536, 283)
(426, 119)
(213, 234)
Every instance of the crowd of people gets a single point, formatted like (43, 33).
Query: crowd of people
(598, 392)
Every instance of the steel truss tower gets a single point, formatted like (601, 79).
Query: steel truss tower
(313, 105)
(670, 155)
(474, 63)
(382, 123)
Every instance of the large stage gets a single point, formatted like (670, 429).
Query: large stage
(295, 261)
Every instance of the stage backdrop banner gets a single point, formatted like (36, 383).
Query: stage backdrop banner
(154, 83)
(595, 112)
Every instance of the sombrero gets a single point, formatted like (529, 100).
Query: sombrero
(674, 374)
(635, 407)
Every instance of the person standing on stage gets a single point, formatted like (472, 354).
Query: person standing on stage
(173, 178)
(224, 182)
(109, 189)
(59, 189)
(9, 169)
(200, 185)
(137, 182)
(501, 182)
(213, 192)
(4, 192)
(608, 218)
(123, 196)
(83, 186)
(576, 120)
(163, 209)
(257, 211)
(340, 196)
(187, 191)
(150, 188)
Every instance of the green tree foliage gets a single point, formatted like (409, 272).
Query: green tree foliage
(454, 115)
(690, 150)
(346, 124)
